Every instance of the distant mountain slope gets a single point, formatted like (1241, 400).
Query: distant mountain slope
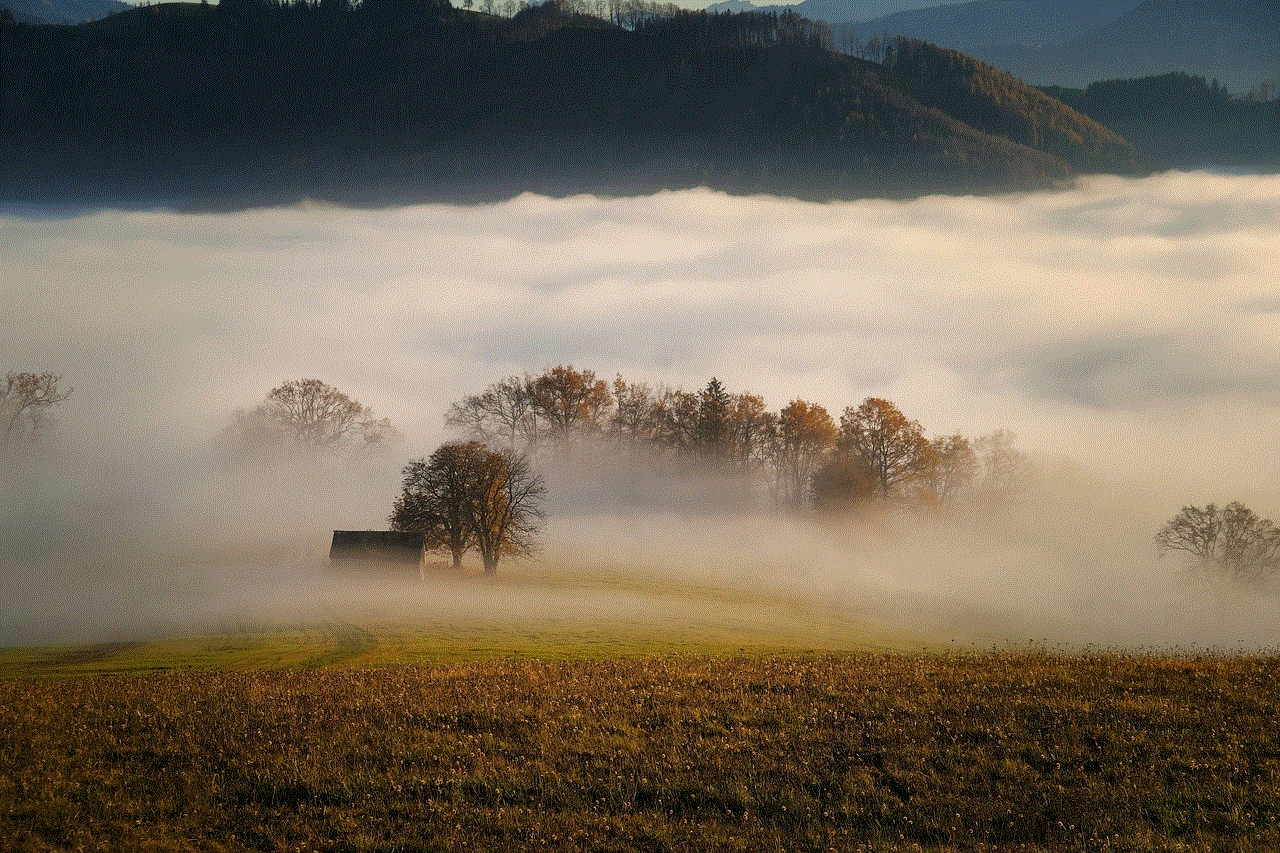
(62, 11)
(997, 103)
(1194, 124)
(406, 101)
(968, 27)
(842, 11)
(732, 6)
(1234, 41)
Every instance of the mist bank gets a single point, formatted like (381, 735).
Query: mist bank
(1125, 330)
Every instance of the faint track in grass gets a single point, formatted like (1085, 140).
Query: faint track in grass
(345, 643)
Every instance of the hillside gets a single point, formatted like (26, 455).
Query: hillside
(974, 27)
(235, 104)
(61, 11)
(1236, 42)
(1198, 123)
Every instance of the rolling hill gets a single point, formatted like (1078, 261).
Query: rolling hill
(61, 11)
(1074, 44)
(974, 27)
(423, 101)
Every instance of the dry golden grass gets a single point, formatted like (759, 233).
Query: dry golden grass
(816, 752)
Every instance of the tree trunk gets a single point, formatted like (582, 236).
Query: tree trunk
(490, 564)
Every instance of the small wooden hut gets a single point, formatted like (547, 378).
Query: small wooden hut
(377, 550)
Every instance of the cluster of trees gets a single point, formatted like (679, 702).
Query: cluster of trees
(467, 495)
(798, 456)
(1230, 540)
(484, 493)
(303, 416)
(26, 407)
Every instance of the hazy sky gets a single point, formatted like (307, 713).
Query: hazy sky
(1131, 327)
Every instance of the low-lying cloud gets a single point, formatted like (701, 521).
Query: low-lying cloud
(1129, 326)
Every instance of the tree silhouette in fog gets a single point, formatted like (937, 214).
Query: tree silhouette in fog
(1231, 540)
(307, 416)
(467, 495)
(26, 406)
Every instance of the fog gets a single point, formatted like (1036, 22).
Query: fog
(1126, 330)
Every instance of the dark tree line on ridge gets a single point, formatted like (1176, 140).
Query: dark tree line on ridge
(1198, 122)
(384, 101)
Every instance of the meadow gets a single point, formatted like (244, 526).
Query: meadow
(693, 734)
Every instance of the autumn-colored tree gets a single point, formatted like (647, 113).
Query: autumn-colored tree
(890, 446)
(803, 435)
(632, 420)
(949, 471)
(467, 495)
(504, 506)
(749, 429)
(570, 402)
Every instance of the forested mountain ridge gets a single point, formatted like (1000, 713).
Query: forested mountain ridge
(1197, 124)
(250, 102)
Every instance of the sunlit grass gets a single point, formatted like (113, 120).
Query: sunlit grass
(712, 720)
(799, 752)
(663, 615)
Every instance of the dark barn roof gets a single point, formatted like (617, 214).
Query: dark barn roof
(376, 547)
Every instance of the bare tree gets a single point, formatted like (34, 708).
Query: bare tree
(504, 506)
(674, 418)
(1005, 470)
(502, 414)
(1231, 539)
(26, 401)
(310, 416)
(434, 496)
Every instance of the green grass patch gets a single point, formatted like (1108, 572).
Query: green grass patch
(661, 615)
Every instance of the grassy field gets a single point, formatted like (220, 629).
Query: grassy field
(762, 752)
(529, 611)
(727, 723)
